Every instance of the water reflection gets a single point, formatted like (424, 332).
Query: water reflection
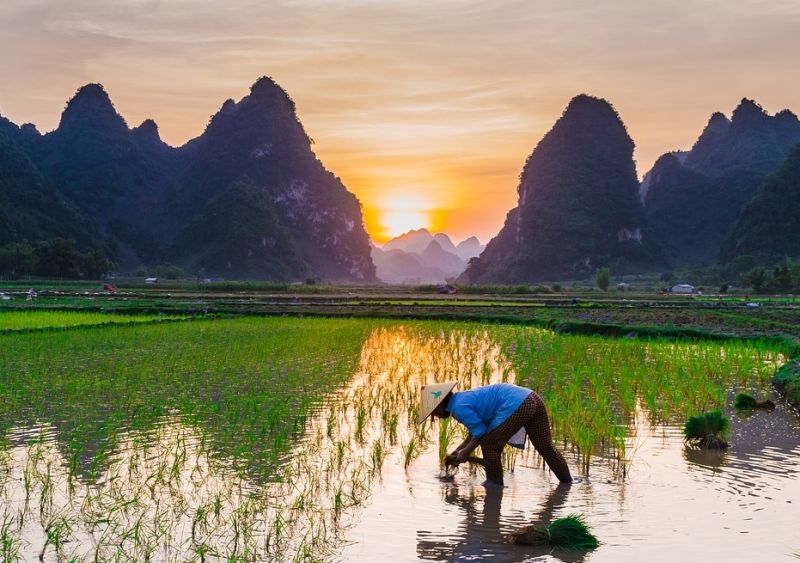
(483, 532)
(362, 471)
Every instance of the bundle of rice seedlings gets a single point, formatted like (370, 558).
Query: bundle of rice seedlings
(745, 401)
(449, 471)
(570, 532)
(708, 430)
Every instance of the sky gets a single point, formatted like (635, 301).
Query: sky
(428, 109)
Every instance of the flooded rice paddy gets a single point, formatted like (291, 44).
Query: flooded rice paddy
(292, 439)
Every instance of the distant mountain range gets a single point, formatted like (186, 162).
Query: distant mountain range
(421, 257)
(246, 199)
(249, 199)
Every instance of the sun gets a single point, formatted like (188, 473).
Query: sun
(400, 213)
(398, 221)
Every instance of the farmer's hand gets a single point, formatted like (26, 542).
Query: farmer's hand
(462, 456)
(451, 459)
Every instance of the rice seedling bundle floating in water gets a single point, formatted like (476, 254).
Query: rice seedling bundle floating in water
(708, 430)
(570, 532)
(744, 401)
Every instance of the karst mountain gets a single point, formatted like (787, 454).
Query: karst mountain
(246, 199)
(578, 205)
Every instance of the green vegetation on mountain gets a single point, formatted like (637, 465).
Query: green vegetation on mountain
(769, 225)
(31, 209)
(689, 214)
(693, 199)
(260, 141)
(578, 205)
(248, 198)
(750, 140)
(238, 235)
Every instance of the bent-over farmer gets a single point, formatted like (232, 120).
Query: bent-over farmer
(492, 415)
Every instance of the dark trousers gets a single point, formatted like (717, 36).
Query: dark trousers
(531, 414)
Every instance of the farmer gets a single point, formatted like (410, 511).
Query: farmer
(493, 415)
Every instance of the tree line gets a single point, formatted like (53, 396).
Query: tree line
(55, 258)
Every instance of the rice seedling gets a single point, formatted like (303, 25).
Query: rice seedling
(570, 533)
(10, 542)
(744, 401)
(708, 430)
(256, 439)
(56, 531)
(410, 451)
(378, 456)
(40, 319)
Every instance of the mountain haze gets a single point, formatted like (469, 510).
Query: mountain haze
(418, 256)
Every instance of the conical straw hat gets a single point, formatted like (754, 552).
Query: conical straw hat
(431, 396)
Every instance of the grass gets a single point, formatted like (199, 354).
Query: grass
(708, 430)
(251, 383)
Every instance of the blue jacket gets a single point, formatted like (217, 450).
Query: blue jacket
(483, 409)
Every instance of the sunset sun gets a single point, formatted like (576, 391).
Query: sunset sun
(399, 221)
(401, 213)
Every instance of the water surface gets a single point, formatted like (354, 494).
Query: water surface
(293, 439)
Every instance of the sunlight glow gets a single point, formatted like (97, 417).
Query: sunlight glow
(400, 213)
(399, 221)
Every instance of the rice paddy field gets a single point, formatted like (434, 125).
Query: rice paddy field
(11, 320)
(293, 439)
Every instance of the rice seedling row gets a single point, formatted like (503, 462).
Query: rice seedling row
(250, 439)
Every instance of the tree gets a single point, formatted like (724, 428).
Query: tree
(741, 265)
(95, 265)
(17, 260)
(169, 272)
(58, 258)
(794, 272)
(756, 278)
(603, 278)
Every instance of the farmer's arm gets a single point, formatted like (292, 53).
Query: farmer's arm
(467, 416)
(463, 444)
(463, 453)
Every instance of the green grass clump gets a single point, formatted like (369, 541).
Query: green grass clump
(570, 532)
(708, 430)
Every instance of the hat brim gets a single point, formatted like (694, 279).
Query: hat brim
(427, 409)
